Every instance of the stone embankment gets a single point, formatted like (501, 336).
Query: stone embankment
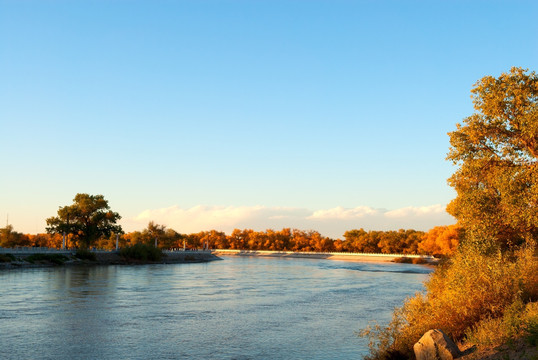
(18, 258)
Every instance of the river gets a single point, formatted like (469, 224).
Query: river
(238, 308)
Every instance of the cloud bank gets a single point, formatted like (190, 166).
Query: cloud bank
(329, 222)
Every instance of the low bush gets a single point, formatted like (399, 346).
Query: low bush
(476, 293)
(419, 261)
(531, 323)
(85, 254)
(519, 320)
(496, 331)
(142, 252)
(56, 259)
(403, 260)
(408, 260)
(7, 258)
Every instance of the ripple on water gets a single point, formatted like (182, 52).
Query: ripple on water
(239, 308)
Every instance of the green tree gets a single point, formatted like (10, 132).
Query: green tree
(166, 238)
(496, 150)
(87, 219)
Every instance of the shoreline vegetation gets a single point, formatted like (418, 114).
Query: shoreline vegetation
(440, 241)
(140, 256)
(485, 295)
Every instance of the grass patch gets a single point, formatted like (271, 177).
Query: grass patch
(84, 254)
(7, 258)
(56, 259)
(142, 252)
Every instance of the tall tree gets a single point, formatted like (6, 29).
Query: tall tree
(496, 150)
(87, 219)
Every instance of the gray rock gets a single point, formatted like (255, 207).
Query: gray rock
(435, 344)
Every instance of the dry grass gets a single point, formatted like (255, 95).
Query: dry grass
(478, 294)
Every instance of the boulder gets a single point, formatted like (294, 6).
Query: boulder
(435, 344)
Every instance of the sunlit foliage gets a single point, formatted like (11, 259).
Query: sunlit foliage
(487, 291)
(441, 240)
(87, 219)
(11, 238)
(496, 150)
(387, 242)
(462, 295)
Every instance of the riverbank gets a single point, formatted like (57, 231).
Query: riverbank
(358, 257)
(18, 260)
(53, 257)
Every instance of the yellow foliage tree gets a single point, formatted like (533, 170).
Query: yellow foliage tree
(441, 240)
(496, 150)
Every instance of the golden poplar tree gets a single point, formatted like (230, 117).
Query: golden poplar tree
(496, 150)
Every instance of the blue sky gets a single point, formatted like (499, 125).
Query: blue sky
(324, 115)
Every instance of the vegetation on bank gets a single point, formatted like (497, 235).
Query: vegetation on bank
(7, 258)
(57, 259)
(408, 260)
(142, 252)
(85, 254)
(439, 241)
(483, 297)
(86, 220)
(487, 293)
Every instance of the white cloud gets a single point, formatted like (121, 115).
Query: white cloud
(329, 222)
(342, 213)
(416, 211)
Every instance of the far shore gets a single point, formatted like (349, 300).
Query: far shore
(358, 257)
(178, 257)
(103, 258)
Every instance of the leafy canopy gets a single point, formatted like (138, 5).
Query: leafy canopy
(87, 219)
(496, 149)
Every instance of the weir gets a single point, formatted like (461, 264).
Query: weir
(325, 255)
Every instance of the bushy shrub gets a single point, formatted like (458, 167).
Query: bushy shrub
(142, 252)
(518, 320)
(530, 321)
(496, 331)
(478, 290)
(419, 261)
(408, 260)
(57, 259)
(85, 254)
(7, 258)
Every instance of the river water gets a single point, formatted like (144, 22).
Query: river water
(238, 308)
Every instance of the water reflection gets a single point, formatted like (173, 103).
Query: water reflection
(238, 308)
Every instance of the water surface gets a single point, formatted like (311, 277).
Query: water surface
(239, 308)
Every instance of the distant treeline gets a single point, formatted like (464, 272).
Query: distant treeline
(441, 240)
